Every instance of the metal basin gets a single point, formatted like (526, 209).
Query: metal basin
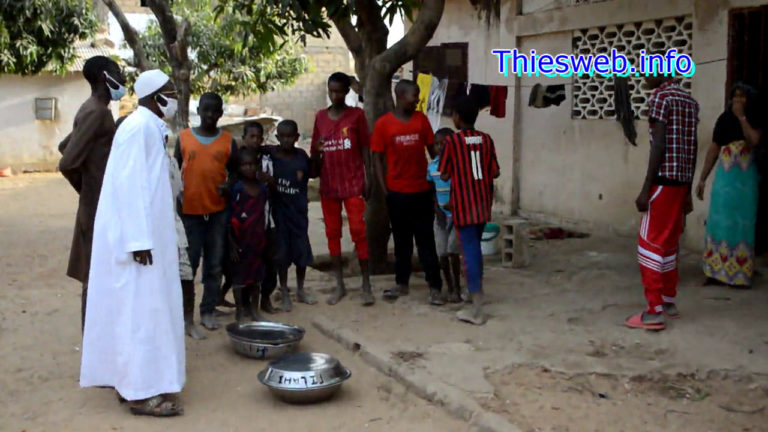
(304, 377)
(264, 340)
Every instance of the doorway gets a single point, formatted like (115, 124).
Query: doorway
(748, 48)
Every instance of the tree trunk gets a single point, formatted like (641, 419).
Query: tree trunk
(184, 93)
(378, 101)
(140, 60)
(375, 65)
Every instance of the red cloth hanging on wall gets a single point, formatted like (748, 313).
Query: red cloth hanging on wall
(498, 101)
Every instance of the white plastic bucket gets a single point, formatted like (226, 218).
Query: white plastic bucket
(489, 242)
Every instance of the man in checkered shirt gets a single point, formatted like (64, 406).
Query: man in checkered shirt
(665, 198)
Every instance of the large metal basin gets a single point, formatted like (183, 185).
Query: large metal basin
(264, 340)
(304, 377)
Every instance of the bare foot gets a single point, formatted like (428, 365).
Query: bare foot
(338, 293)
(194, 331)
(454, 297)
(304, 297)
(472, 315)
(209, 322)
(286, 305)
(266, 305)
(226, 303)
(367, 297)
(220, 313)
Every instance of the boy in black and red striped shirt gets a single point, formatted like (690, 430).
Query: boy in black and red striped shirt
(469, 162)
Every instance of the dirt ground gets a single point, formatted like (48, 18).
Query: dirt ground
(554, 357)
(40, 343)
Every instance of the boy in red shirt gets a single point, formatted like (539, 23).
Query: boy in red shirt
(398, 143)
(469, 162)
(340, 148)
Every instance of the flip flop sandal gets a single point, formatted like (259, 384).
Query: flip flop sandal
(391, 294)
(436, 298)
(636, 321)
(157, 406)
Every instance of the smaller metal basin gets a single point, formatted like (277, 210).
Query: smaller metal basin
(264, 340)
(304, 377)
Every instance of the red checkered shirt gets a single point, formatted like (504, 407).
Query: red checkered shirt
(675, 107)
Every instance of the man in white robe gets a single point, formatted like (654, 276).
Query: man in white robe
(134, 335)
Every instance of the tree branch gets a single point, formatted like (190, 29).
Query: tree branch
(140, 59)
(166, 21)
(371, 23)
(413, 41)
(349, 34)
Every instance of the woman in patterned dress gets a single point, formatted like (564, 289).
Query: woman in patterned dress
(729, 253)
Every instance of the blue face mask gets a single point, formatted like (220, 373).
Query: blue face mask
(114, 94)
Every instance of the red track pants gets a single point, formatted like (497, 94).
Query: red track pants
(355, 207)
(658, 242)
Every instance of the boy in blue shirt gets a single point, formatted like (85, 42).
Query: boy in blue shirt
(447, 243)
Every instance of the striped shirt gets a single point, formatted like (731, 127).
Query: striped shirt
(469, 158)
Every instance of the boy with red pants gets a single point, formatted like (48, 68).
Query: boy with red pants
(469, 162)
(665, 198)
(340, 142)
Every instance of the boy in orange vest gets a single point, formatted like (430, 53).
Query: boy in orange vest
(206, 156)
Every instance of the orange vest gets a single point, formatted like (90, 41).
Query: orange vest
(204, 168)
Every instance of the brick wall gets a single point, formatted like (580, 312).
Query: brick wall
(301, 101)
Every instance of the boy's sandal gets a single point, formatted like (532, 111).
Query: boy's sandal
(636, 321)
(436, 298)
(157, 406)
(392, 293)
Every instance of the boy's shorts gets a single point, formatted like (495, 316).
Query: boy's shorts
(446, 241)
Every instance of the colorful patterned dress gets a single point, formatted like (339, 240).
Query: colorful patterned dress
(729, 251)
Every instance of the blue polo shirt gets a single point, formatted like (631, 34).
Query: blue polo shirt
(442, 188)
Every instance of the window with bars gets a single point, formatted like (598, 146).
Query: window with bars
(45, 108)
(593, 95)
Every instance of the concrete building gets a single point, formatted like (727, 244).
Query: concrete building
(38, 112)
(571, 163)
(308, 94)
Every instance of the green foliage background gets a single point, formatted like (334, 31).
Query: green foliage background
(37, 35)
(227, 57)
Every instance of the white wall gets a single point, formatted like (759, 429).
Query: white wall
(583, 171)
(26, 143)
(461, 23)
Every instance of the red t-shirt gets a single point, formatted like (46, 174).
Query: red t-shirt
(343, 173)
(404, 145)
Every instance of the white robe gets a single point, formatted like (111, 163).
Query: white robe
(134, 330)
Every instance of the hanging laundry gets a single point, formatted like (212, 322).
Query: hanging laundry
(481, 94)
(499, 101)
(436, 102)
(542, 97)
(536, 99)
(424, 82)
(623, 107)
(554, 94)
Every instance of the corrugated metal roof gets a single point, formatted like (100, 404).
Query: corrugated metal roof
(86, 50)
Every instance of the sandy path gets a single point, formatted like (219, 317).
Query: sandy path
(40, 342)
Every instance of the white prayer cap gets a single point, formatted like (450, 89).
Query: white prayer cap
(149, 82)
